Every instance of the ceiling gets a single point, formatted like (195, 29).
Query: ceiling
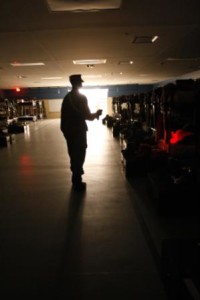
(30, 33)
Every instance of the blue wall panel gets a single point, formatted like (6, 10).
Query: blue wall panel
(120, 90)
(60, 92)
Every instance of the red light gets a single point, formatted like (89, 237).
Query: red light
(18, 89)
(179, 135)
(25, 164)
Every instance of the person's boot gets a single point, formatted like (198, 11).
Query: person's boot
(81, 186)
(78, 184)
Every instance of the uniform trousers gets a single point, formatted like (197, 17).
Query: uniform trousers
(76, 144)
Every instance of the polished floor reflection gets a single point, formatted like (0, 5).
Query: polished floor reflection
(59, 244)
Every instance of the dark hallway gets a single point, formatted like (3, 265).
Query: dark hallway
(58, 244)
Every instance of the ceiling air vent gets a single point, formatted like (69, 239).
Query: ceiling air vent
(83, 5)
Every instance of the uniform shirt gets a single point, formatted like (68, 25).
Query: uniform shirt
(74, 113)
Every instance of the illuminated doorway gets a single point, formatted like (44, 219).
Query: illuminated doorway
(97, 99)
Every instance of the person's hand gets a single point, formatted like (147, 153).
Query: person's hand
(99, 113)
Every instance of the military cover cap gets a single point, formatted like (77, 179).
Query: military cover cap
(75, 78)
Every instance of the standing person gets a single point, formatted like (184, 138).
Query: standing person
(74, 113)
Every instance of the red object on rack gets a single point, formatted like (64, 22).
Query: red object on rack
(179, 135)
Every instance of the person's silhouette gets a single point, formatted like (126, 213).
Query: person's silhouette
(74, 113)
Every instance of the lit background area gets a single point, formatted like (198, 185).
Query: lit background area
(97, 99)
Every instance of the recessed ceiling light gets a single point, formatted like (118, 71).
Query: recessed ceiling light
(149, 39)
(89, 61)
(154, 38)
(18, 64)
(126, 62)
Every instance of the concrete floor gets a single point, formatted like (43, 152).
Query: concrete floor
(58, 244)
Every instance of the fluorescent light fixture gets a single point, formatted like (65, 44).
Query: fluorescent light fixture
(51, 78)
(89, 61)
(154, 38)
(17, 64)
(21, 76)
(82, 5)
(182, 59)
